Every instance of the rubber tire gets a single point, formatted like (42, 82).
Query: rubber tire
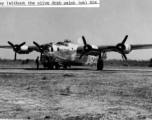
(65, 67)
(45, 65)
(57, 66)
(100, 64)
(50, 66)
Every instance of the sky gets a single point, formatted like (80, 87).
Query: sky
(106, 25)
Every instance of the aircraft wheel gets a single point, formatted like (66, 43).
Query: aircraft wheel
(100, 64)
(44, 65)
(50, 66)
(65, 67)
(57, 66)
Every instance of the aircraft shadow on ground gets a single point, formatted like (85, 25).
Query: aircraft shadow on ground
(59, 69)
(11, 68)
(81, 69)
(95, 70)
(75, 69)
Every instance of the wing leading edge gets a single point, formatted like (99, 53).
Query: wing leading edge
(141, 46)
(107, 48)
(22, 49)
(121, 48)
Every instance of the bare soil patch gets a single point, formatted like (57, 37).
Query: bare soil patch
(77, 95)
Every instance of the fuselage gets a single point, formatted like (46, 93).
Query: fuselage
(68, 54)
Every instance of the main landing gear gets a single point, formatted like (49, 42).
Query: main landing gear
(54, 66)
(100, 64)
(57, 66)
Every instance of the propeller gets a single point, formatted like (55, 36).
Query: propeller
(121, 47)
(16, 48)
(87, 48)
(40, 49)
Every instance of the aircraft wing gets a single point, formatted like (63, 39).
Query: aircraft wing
(33, 48)
(21, 49)
(141, 46)
(106, 48)
(5, 46)
(127, 47)
(121, 48)
(24, 49)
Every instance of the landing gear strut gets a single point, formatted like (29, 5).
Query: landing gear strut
(57, 66)
(50, 66)
(65, 67)
(100, 64)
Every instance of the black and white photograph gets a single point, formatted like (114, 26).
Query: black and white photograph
(76, 60)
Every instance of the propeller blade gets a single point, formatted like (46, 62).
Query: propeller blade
(124, 40)
(15, 56)
(40, 47)
(84, 40)
(36, 44)
(82, 55)
(87, 48)
(121, 47)
(16, 48)
(22, 44)
(124, 56)
(41, 57)
(11, 44)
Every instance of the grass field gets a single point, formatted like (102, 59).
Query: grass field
(77, 94)
(107, 63)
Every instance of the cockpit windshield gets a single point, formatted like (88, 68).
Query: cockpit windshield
(64, 43)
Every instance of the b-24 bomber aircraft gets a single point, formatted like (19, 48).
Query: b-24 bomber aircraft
(67, 53)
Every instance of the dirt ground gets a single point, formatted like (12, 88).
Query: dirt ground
(76, 94)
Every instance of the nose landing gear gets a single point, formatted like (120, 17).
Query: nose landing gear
(57, 66)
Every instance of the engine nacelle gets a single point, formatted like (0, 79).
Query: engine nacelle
(127, 49)
(24, 50)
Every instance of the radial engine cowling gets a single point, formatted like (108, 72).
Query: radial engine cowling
(127, 49)
(24, 50)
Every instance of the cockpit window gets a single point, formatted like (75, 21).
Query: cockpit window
(68, 41)
(62, 43)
